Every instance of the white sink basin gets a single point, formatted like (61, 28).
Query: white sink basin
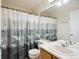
(63, 51)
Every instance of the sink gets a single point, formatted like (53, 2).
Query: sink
(63, 50)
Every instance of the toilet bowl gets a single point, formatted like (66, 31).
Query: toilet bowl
(34, 54)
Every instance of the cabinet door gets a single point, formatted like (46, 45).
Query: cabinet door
(44, 54)
(53, 57)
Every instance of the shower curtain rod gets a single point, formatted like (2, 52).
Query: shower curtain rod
(16, 9)
(26, 12)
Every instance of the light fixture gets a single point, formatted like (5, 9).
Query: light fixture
(50, 1)
(65, 1)
(59, 3)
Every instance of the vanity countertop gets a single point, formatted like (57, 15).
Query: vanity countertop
(47, 47)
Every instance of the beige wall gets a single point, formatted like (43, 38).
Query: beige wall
(15, 7)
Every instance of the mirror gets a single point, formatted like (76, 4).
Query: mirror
(62, 14)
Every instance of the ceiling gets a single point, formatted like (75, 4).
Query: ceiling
(28, 4)
(35, 5)
(71, 5)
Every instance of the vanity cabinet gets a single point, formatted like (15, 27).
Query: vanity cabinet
(46, 55)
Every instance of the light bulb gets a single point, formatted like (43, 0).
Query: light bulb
(65, 1)
(50, 1)
(59, 3)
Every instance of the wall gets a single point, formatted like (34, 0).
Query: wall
(15, 7)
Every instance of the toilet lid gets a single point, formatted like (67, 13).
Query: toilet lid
(34, 51)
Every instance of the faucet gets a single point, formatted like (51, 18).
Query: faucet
(70, 42)
(67, 43)
(63, 45)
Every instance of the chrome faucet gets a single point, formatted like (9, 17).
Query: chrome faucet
(66, 43)
(70, 42)
(63, 45)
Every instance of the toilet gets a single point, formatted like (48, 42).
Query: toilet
(34, 53)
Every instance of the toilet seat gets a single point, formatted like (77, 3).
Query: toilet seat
(34, 53)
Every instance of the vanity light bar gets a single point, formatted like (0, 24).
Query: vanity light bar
(50, 1)
(65, 1)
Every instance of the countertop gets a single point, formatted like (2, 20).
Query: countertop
(47, 47)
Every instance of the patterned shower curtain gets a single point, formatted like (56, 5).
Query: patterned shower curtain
(20, 32)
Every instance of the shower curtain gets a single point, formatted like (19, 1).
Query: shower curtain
(20, 32)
